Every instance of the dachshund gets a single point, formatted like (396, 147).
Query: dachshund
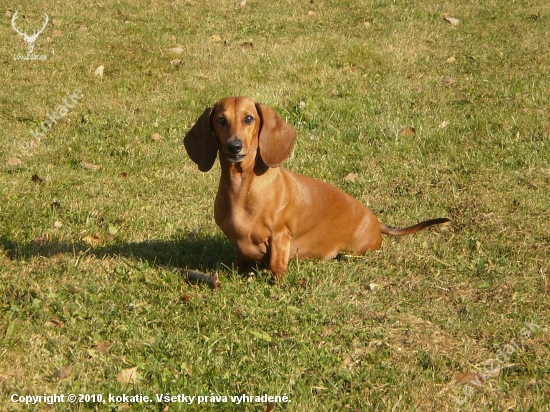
(269, 214)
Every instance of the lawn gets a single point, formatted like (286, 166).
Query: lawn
(418, 109)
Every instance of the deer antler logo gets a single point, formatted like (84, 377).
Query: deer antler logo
(29, 40)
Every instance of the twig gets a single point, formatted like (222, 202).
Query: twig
(195, 276)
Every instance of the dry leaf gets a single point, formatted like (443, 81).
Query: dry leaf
(444, 124)
(57, 33)
(326, 332)
(372, 286)
(311, 13)
(123, 174)
(103, 347)
(9, 13)
(451, 59)
(247, 45)
(90, 166)
(452, 20)
(186, 298)
(176, 50)
(57, 224)
(99, 71)
(366, 24)
(54, 323)
(128, 375)
(175, 62)
(63, 373)
(215, 37)
(351, 177)
(448, 80)
(407, 132)
(468, 377)
(40, 240)
(242, 3)
(36, 179)
(155, 137)
(348, 361)
(14, 161)
(92, 240)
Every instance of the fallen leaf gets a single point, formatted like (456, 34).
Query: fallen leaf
(247, 45)
(346, 362)
(326, 332)
(175, 62)
(452, 20)
(311, 13)
(186, 298)
(260, 335)
(366, 24)
(372, 286)
(57, 33)
(92, 240)
(63, 373)
(14, 161)
(176, 50)
(103, 347)
(123, 174)
(99, 71)
(469, 376)
(128, 375)
(54, 323)
(57, 224)
(350, 177)
(113, 229)
(90, 166)
(36, 179)
(451, 59)
(407, 132)
(9, 13)
(215, 37)
(448, 80)
(443, 124)
(242, 3)
(40, 240)
(155, 137)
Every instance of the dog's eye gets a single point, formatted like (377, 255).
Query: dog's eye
(222, 121)
(248, 119)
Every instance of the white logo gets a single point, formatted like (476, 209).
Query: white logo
(29, 40)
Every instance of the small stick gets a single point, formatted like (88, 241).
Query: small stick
(195, 276)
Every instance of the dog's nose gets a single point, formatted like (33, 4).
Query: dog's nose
(234, 146)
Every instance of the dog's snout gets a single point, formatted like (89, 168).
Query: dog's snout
(234, 146)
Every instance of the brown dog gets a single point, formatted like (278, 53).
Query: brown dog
(270, 214)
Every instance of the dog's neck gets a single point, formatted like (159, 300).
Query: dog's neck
(236, 178)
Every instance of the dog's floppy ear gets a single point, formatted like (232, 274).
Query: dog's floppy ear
(276, 138)
(201, 144)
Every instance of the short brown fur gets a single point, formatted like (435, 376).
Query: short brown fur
(269, 214)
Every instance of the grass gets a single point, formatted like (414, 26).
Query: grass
(85, 253)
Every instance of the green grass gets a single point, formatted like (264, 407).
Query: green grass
(85, 254)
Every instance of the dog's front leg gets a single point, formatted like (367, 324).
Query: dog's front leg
(279, 250)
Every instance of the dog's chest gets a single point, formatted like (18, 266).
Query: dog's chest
(244, 227)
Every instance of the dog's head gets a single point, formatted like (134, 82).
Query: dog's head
(239, 129)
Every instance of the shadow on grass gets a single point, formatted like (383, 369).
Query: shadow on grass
(202, 253)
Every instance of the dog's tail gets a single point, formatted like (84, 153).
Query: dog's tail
(388, 230)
